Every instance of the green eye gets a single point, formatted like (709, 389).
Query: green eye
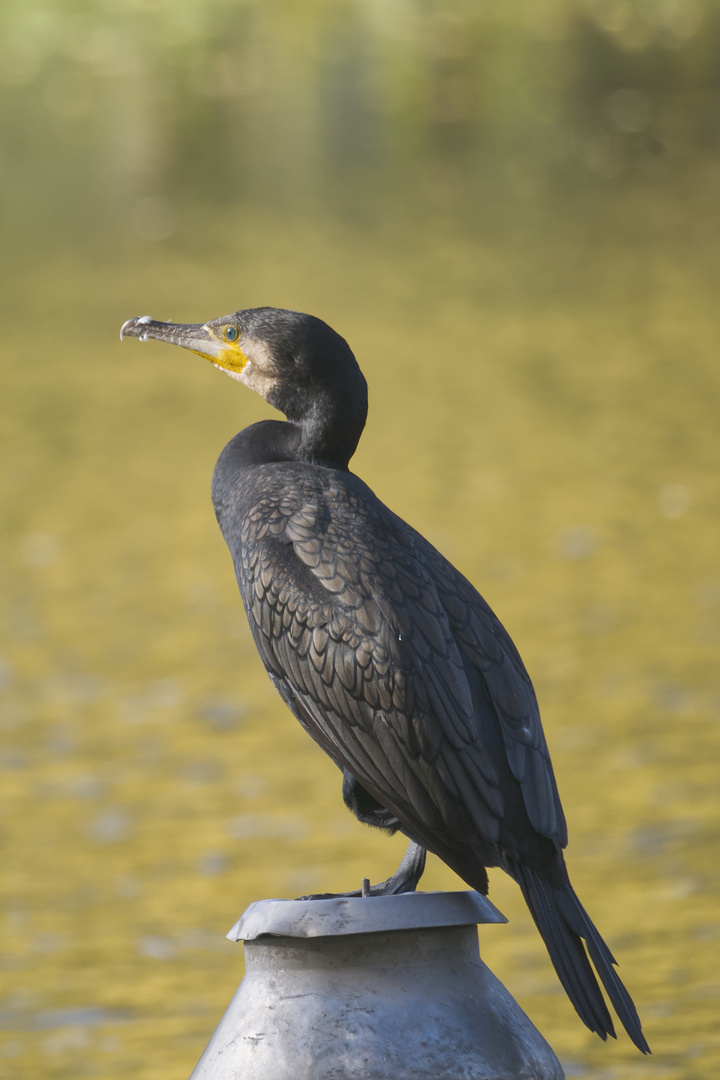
(231, 333)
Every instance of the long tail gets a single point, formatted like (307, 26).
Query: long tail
(563, 924)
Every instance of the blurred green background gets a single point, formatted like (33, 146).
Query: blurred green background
(511, 210)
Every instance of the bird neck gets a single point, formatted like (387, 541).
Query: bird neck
(312, 440)
(327, 432)
(269, 442)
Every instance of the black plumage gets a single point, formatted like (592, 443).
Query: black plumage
(386, 654)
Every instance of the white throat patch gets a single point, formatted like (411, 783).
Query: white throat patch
(259, 373)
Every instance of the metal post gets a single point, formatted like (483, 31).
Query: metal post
(376, 988)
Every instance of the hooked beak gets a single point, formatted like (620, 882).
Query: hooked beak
(201, 338)
(195, 336)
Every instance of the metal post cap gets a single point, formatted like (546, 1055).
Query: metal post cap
(363, 915)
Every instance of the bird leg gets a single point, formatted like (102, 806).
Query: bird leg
(405, 879)
(368, 810)
(407, 875)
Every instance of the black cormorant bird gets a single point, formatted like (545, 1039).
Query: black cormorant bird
(385, 653)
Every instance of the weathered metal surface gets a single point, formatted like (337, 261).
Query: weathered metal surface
(354, 915)
(411, 1001)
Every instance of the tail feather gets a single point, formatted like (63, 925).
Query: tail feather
(605, 963)
(568, 956)
(564, 924)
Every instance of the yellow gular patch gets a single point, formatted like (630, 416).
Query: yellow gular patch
(232, 358)
(229, 357)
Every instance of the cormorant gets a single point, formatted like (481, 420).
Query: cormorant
(388, 656)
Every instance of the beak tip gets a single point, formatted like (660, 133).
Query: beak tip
(129, 326)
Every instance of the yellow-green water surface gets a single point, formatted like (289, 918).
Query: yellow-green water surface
(556, 442)
(545, 395)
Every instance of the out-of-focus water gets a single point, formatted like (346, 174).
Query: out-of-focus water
(514, 221)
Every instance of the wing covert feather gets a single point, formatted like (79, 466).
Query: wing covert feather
(371, 631)
(486, 645)
(368, 655)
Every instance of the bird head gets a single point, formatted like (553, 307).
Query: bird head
(296, 362)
